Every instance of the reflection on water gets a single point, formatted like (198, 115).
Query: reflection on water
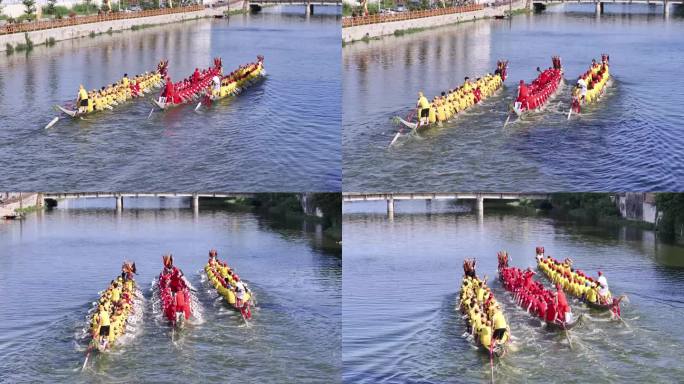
(628, 141)
(401, 279)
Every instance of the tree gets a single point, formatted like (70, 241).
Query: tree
(50, 10)
(30, 10)
(672, 207)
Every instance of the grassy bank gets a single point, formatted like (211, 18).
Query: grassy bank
(591, 208)
(287, 207)
(25, 210)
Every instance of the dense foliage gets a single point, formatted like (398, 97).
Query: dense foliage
(589, 205)
(672, 207)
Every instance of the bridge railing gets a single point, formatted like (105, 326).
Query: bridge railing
(409, 15)
(71, 21)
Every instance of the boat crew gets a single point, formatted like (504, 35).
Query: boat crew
(196, 76)
(240, 290)
(564, 311)
(521, 101)
(423, 106)
(124, 81)
(602, 279)
(216, 80)
(169, 92)
(499, 322)
(104, 322)
(82, 99)
(582, 85)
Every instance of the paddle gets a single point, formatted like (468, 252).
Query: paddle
(87, 356)
(507, 118)
(396, 137)
(150, 114)
(567, 333)
(491, 354)
(52, 122)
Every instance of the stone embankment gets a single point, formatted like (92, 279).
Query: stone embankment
(79, 27)
(369, 27)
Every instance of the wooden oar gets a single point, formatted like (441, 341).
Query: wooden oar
(570, 112)
(567, 333)
(396, 137)
(491, 354)
(52, 122)
(148, 116)
(86, 359)
(507, 118)
(198, 106)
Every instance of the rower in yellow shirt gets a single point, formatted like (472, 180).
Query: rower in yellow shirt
(486, 334)
(423, 109)
(82, 99)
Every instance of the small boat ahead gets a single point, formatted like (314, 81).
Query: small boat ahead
(454, 102)
(536, 95)
(532, 296)
(235, 82)
(174, 294)
(576, 283)
(186, 90)
(118, 93)
(229, 285)
(591, 85)
(476, 299)
(114, 314)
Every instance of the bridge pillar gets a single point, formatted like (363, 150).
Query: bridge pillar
(666, 8)
(195, 201)
(390, 207)
(479, 204)
(309, 8)
(599, 8)
(40, 200)
(119, 203)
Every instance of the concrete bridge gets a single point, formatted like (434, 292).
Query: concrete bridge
(119, 196)
(478, 198)
(541, 4)
(255, 5)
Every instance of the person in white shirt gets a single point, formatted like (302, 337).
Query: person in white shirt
(582, 84)
(602, 280)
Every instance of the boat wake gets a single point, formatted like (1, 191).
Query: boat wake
(197, 317)
(134, 326)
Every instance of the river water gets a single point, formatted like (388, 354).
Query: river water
(401, 279)
(52, 266)
(629, 141)
(288, 124)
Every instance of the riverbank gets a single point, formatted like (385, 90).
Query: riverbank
(376, 30)
(10, 42)
(322, 209)
(15, 205)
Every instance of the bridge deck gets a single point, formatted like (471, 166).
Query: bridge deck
(352, 197)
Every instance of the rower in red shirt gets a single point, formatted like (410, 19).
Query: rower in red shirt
(551, 314)
(196, 76)
(522, 94)
(563, 307)
(169, 92)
